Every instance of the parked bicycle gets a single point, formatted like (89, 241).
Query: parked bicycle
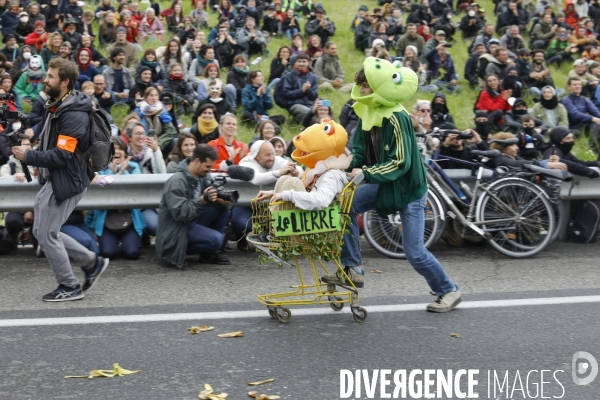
(516, 211)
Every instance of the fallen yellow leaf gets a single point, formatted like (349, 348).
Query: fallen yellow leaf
(106, 373)
(231, 334)
(456, 335)
(208, 394)
(294, 286)
(197, 329)
(260, 382)
(376, 271)
(267, 397)
(254, 395)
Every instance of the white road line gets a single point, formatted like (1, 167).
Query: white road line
(202, 316)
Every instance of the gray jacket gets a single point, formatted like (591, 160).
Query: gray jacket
(328, 68)
(109, 76)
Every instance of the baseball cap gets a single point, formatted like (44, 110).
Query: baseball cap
(363, 8)
(440, 32)
(579, 63)
(66, 44)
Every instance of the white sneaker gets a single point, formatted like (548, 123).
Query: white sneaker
(445, 302)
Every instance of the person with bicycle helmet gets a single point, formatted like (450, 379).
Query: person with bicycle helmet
(385, 151)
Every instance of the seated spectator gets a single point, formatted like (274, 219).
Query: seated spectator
(131, 57)
(52, 48)
(441, 69)
(512, 41)
(411, 38)
(206, 126)
(199, 16)
(7, 84)
(98, 60)
(191, 217)
(182, 91)
(280, 65)
(70, 34)
(444, 23)
(173, 55)
(225, 47)
(411, 60)
(560, 49)
(186, 143)
(118, 77)
(470, 24)
(167, 99)
(257, 100)
(158, 74)
(104, 98)
(297, 45)
(320, 26)
(380, 33)
(530, 137)
(206, 56)
(588, 81)
(114, 226)
(512, 16)
(329, 70)
(543, 33)
(494, 101)
(439, 111)
(229, 150)
(482, 125)
(30, 83)
(314, 49)
(280, 147)
(106, 28)
(421, 16)
(571, 17)
(157, 120)
(454, 147)
(581, 38)
(290, 25)
(266, 131)
(151, 27)
(362, 33)
(550, 110)
(131, 25)
(300, 88)
(226, 10)
(142, 82)
(237, 79)
(84, 61)
(583, 114)
(187, 33)
(512, 81)
(216, 97)
(510, 158)
(471, 66)
(23, 28)
(211, 74)
(250, 39)
(270, 24)
(38, 37)
(431, 44)
(560, 146)
(498, 63)
(175, 20)
(316, 114)
(66, 51)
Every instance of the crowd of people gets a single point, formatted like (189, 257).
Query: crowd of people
(159, 64)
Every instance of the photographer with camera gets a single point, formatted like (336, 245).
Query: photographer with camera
(459, 145)
(191, 212)
(64, 140)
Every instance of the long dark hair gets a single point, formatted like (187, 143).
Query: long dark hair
(176, 152)
(167, 54)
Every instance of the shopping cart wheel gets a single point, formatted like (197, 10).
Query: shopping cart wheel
(272, 312)
(359, 314)
(336, 306)
(284, 314)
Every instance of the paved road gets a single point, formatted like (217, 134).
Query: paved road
(305, 356)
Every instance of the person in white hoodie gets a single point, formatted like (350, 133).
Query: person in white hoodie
(145, 151)
(267, 169)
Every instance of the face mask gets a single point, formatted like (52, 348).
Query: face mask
(27, 55)
(16, 126)
(528, 131)
(566, 147)
(24, 19)
(520, 113)
(471, 13)
(483, 128)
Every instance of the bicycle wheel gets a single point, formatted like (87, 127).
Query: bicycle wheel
(528, 217)
(385, 234)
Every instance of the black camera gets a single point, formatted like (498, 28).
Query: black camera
(465, 135)
(447, 44)
(218, 182)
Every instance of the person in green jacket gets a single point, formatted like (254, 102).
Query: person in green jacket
(385, 151)
(188, 210)
(31, 82)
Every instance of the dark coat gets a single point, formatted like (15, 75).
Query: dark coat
(238, 80)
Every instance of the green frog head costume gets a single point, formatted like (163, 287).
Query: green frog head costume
(392, 84)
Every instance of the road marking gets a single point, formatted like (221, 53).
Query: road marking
(217, 315)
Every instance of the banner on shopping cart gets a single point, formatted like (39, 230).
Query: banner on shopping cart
(303, 222)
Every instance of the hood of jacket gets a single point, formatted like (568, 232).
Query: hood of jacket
(183, 167)
(440, 107)
(558, 133)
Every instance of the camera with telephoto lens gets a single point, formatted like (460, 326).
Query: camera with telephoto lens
(218, 182)
(7, 116)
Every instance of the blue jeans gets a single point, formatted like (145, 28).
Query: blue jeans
(273, 83)
(131, 244)
(241, 221)
(231, 94)
(291, 32)
(151, 219)
(446, 86)
(83, 235)
(205, 233)
(413, 225)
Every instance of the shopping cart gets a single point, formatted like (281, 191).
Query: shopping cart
(316, 235)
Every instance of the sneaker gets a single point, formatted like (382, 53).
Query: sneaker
(339, 279)
(445, 302)
(93, 274)
(263, 237)
(214, 258)
(64, 293)
(39, 253)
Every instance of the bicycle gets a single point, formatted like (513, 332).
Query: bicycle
(511, 211)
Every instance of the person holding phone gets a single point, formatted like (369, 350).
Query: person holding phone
(320, 110)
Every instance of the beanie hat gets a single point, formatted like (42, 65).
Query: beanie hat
(121, 29)
(39, 23)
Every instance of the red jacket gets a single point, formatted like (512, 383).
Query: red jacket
(33, 39)
(221, 148)
(485, 102)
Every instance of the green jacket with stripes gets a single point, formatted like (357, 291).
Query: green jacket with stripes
(400, 173)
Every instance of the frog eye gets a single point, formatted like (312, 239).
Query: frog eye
(329, 129)
(397, 64)
(397, 78)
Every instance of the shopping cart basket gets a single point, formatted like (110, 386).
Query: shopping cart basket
(316, 235)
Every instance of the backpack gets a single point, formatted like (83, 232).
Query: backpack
(101, 148)
(585, 219)
(278, 93)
